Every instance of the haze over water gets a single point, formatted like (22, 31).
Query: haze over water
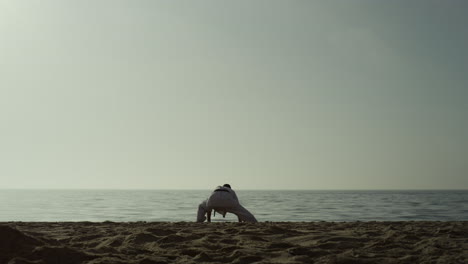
(168, 205)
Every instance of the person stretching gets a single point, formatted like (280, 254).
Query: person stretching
(223, 200)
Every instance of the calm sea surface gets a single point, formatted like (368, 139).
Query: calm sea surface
(159, 205)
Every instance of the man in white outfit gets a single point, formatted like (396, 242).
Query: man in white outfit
(223, 200)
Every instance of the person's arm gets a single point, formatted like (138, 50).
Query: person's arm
(201, 212)
(208, 216)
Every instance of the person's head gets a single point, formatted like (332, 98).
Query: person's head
(227, 185)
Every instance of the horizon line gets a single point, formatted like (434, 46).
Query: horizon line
(248, 189)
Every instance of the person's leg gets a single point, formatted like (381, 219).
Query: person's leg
(243, 214)
(223, 201)
(208, 216)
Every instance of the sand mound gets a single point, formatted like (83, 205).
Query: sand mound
(14, 243)
(18, 248)
(59, 255)
(140, 238)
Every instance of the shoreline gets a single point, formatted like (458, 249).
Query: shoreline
(232, 242)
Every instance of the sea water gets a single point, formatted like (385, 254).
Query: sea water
(182, 205)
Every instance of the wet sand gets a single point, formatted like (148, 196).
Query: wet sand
(268, 242)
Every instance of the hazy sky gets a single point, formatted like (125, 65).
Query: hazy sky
(258, 94)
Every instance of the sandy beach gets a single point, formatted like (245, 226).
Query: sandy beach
(229, 242)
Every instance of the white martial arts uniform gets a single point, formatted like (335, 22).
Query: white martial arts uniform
(223, 200)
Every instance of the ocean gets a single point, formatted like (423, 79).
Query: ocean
(182, 205)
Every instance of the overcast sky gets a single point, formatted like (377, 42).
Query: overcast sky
(258, 94)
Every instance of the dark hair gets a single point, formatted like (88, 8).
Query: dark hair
(227, 185)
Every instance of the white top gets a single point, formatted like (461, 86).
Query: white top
(231, 191)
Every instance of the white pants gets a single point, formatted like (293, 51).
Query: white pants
(225, 202)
